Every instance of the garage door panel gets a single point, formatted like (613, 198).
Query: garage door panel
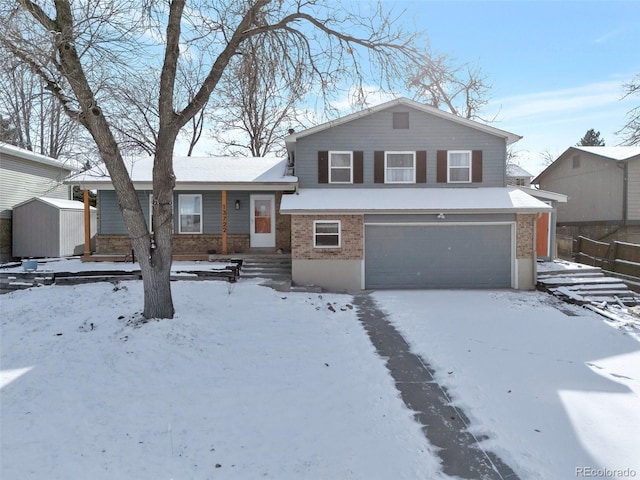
(452, 256)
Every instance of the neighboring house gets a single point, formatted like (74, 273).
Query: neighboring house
(603, 186)
(546, 245)
(403, 195)
(219, 204)
(24, 175)
(49, 227)
(518, 176)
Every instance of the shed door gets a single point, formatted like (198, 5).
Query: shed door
(438, 256)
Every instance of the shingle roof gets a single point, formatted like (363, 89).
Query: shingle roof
(197, 171)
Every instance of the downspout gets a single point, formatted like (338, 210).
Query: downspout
(625, 193)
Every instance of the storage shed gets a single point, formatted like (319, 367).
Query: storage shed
(49, 227)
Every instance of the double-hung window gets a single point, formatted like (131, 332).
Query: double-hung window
(459, 166)
(326, 234)
(340, 167)
(400, 167)
(190, 218)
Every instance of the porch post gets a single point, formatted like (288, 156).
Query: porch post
(87, 224)
(224, 222)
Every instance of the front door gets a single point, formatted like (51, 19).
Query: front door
(263, 221)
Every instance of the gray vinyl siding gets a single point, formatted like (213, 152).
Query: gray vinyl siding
(375, 133)
(111, 222)
(438, 256)
(633, 194)
(22, 179)
(595, 188)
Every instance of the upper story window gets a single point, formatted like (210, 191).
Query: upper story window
(340, 167)
(190, 218)
(400, 120)
(459, 166)
(400, 167)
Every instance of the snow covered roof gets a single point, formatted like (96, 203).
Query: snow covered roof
(614, 153)
(23, 153)
(199, 173)
(514, 170)
(59, 203)
(510, 137)
(411, 200)
(547, 195)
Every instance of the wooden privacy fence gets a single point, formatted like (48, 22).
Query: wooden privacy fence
(618, 257)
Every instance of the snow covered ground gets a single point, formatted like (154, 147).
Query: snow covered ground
(553, 392)
(247, 382)
(243, 383)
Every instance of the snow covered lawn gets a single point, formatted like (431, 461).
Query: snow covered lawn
(244, 383)
(553, 392)
(247, 382)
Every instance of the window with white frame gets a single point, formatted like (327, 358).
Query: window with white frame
(400, 167)
(340, 167)
(190, 218)
(326, 234)
(459, 166)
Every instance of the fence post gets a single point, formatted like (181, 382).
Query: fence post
(613, 256)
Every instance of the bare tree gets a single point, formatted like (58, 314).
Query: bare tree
(462, 89)
(96, 46)
(39, 122)
(256, 104)
(631, 130)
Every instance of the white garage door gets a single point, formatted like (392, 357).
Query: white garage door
(438, 256)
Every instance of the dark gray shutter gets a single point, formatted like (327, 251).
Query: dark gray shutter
(378, 167)
(323, 167)
(441, 168)
(421, 166)
(358, 167)
(476, 166)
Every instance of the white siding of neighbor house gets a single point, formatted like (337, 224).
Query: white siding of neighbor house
(375, 133)
(22, 179)
(634, 190)
(595, 188)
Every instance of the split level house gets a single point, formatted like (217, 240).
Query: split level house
(400, 195)
(603, 189)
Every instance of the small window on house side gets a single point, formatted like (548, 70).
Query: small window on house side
(576, 161)
(400, 120)
(340, 167)
(326, 234)
(459, 166)
(520, 182)
(400, 167)
(190, 218)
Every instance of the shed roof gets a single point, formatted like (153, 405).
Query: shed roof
(508, 136)
(514, 170)
(412, 200)
(198, 173)
(58, 203)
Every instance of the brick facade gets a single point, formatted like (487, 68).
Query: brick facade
(525, 239)
(352, 232)
(184, 244)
